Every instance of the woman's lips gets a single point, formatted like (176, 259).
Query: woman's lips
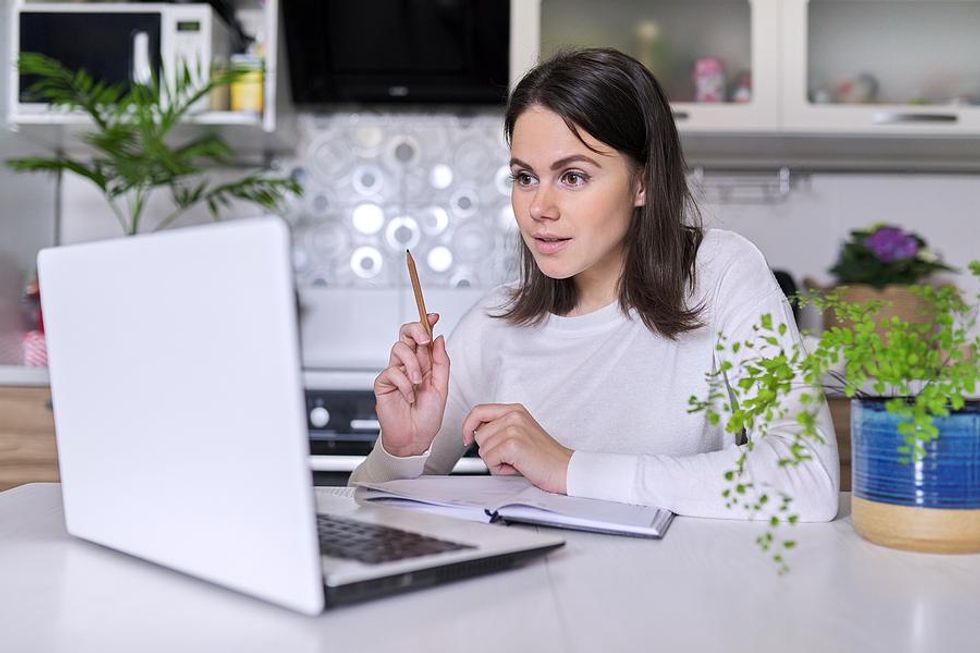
(550, 245)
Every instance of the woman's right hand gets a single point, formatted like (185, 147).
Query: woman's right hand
(411, 392)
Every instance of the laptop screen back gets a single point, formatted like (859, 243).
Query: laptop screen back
(181, 431)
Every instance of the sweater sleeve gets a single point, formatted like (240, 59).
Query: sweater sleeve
(692, 485)
(446, 449)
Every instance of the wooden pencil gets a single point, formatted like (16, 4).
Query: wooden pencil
(417, 289)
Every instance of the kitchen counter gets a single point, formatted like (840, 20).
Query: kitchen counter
(704, 587)
(316, 378)
(22, 375)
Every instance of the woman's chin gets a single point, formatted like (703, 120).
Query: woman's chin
(552, 271)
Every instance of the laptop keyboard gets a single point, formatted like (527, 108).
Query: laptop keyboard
(373, 544)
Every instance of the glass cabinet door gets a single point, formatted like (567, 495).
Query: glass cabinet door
(716, 59)
(888, 66)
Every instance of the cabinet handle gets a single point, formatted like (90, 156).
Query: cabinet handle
(892, 118)
(681, 115)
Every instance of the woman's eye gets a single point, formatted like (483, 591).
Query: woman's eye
(573, 178)
(522, 178)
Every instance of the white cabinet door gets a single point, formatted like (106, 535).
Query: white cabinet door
(761, 112)
(716, 59)
(868, 67)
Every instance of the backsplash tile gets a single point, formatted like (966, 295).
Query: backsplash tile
(377, 184)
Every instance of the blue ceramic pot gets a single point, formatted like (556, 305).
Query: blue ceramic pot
(909, 504)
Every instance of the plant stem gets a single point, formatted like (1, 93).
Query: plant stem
(176, 213)
(136, 209)
(118, 213)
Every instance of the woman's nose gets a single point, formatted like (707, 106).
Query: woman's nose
(543, 206)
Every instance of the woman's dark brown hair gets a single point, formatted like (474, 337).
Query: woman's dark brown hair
(614, 98)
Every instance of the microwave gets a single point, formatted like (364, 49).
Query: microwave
(117, 43)
(398, 51)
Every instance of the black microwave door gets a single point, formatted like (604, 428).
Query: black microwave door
(103, 44)
(398, 50)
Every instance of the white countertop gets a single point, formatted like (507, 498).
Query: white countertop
(22, 375)
(705, 587)
(320, 379)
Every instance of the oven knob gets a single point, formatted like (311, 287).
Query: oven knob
(319, 417)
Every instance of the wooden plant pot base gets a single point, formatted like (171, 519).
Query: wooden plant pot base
(928, 530)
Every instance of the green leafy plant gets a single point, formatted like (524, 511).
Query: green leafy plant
(885, 254)
(133, 154)
(927, 368)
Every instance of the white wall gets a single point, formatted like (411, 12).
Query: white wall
(803, 235)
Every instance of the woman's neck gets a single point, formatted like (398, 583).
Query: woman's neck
(597, 287)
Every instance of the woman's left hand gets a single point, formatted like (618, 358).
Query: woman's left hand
(512, 442)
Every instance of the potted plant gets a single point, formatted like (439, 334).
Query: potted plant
(133, 153)
(915, 417)
(881, 262)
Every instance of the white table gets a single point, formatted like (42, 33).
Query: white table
(704, 587)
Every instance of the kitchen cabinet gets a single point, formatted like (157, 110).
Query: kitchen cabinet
(27, 444)
(881, 67)
(848, 68)
(732, 43)
(259, 20)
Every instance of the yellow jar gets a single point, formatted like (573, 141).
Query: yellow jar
(247, 89)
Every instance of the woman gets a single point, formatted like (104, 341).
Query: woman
(578, 376)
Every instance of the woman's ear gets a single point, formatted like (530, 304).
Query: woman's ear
(640, 195)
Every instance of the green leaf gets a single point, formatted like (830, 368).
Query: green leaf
(133, 150)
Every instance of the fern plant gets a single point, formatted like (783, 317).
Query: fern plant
(133, 154)
(928, 369)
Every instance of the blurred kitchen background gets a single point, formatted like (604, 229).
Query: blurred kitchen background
(801, 120)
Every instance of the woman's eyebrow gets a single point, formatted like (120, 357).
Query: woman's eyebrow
(561, 163)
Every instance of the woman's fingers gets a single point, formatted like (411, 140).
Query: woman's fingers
(484, 414)
(499, 452)
(413, 333)
(414, 336)
(440, 366)
(403, 355)
(391, 380)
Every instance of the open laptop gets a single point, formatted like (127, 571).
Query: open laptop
(181, 428)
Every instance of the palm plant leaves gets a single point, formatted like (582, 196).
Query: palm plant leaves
(132, 150)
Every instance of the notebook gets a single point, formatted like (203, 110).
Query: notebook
(182, 435)
(515, 499)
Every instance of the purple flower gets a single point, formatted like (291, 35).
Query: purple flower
(892, 244)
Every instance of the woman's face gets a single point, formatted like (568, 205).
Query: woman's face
(573, 204)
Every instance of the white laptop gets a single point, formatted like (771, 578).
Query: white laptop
(181, 427)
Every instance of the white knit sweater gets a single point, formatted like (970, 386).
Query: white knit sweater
(605, 386)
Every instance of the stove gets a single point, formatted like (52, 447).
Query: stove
(343, 425)
(346, 335)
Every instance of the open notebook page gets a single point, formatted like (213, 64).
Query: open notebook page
(454, 491)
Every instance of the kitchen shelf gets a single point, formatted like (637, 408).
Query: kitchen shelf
(259, 18)
(670, 36)
(924, 55)
(876, 68)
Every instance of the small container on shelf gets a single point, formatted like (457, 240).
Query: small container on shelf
(742, 87)
(709, 80)
(247, 88)
(650, 49)
(219, 99)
